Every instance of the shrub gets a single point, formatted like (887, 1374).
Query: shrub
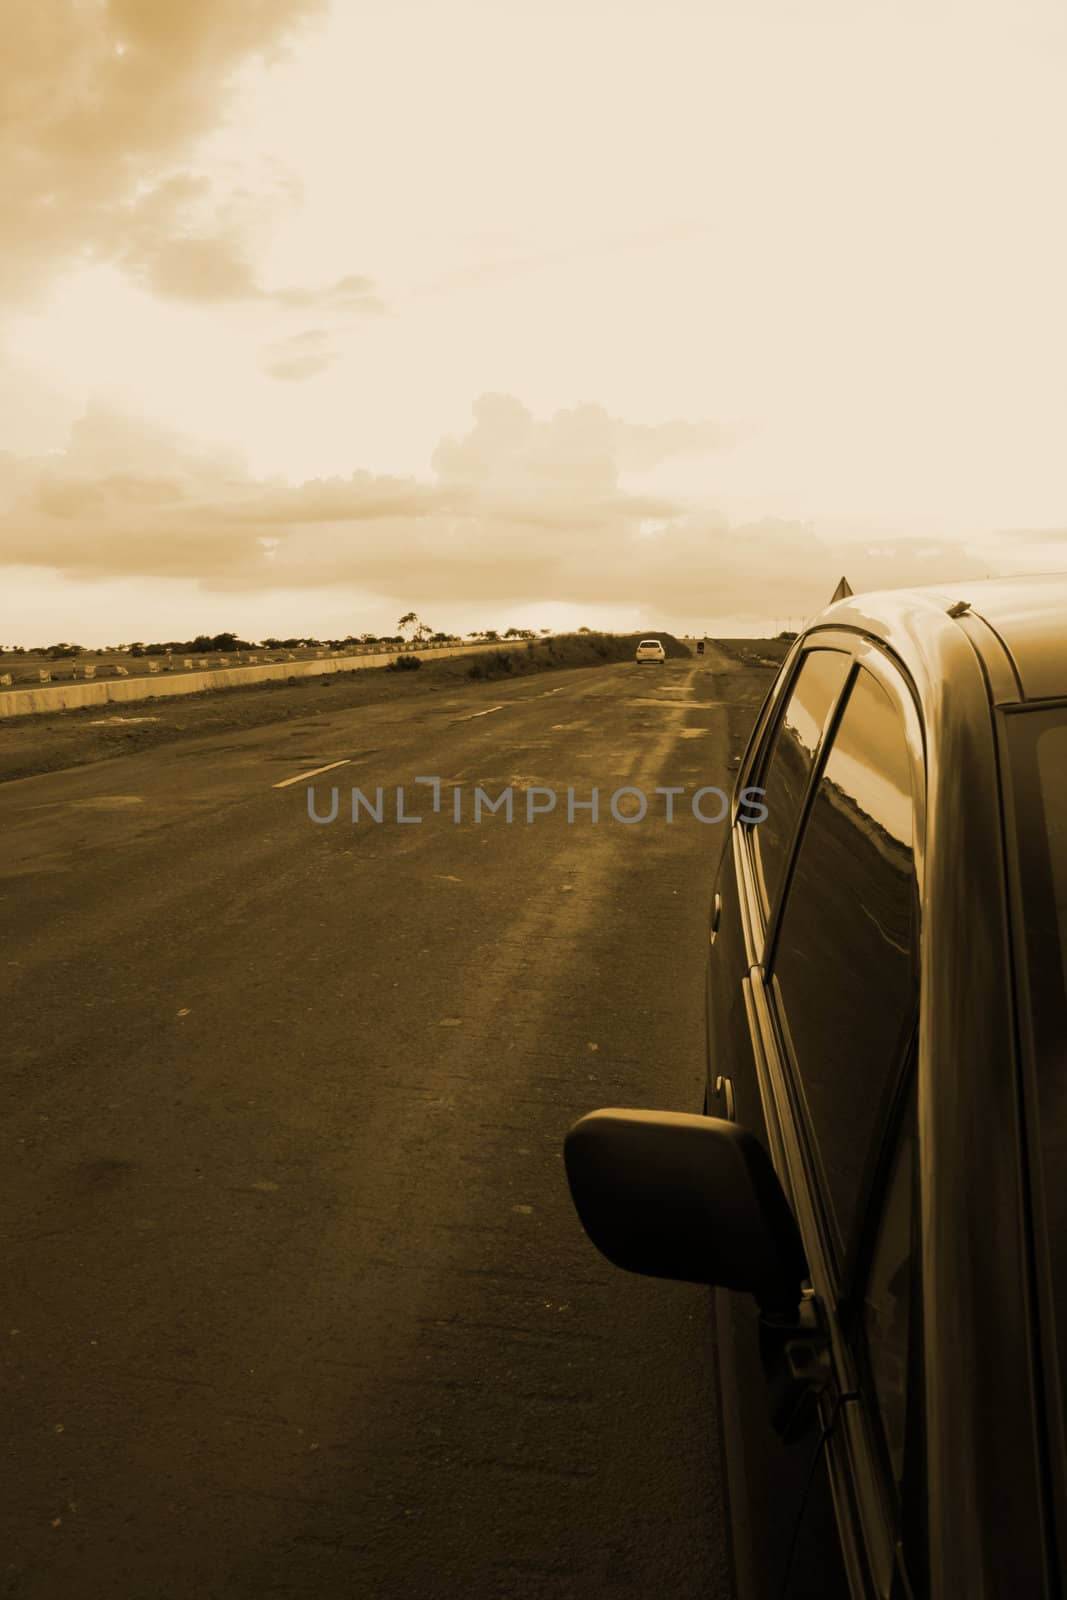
(404, 664)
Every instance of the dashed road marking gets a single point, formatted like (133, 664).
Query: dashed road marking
(474, 714)
(312, 774)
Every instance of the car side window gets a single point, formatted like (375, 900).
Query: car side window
(845, 961)
(815, 689)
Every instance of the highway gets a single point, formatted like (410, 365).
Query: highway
(296, 1301)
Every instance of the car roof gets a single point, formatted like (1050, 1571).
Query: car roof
(1025, 618)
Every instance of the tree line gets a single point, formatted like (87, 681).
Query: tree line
(411, 630)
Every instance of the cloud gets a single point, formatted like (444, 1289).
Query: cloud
(304, 355)
(516, 510)
(104, 104)
(350, 295)
(185, 238)
(580, 448)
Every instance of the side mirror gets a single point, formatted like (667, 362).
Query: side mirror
(685, 1197)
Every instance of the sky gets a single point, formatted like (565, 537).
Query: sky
(590, 312)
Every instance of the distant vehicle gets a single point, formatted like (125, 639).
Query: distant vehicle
(651, 650)
(700, 647)
(878, 1195)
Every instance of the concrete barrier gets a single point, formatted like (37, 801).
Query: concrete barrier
(69, 696)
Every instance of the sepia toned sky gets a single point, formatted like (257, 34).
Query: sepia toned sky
(633, 313)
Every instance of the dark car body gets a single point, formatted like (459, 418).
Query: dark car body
(886, 1016)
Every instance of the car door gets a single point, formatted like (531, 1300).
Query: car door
(774, 1487)
(835, 999)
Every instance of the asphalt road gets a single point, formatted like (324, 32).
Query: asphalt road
(295, 1300)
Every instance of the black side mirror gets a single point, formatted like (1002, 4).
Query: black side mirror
(691, 1198)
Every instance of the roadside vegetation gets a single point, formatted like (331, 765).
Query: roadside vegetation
(759, 652)
(582, 649)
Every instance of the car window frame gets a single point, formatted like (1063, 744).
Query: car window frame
(863, 1479)
(906, 1501)
(902, 693)
(886, 666)
(1051, 1419)
(758, 758)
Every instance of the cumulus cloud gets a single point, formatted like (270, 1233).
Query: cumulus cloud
(104, 103)
(518, 509)
(583, 447)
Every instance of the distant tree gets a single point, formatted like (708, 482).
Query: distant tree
(513, 633)
(546, 630)
(419, 630)
(491, 634)
(585, 630)
(60, 652)
(785, 634)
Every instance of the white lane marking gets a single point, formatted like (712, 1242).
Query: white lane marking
(108, 802)
(474, 714)
(312, 774)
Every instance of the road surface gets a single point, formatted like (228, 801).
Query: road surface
(296, 1303)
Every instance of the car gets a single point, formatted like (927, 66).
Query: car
(651, 650)
(876, 1188)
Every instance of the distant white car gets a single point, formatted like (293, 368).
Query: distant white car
(651, 650)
